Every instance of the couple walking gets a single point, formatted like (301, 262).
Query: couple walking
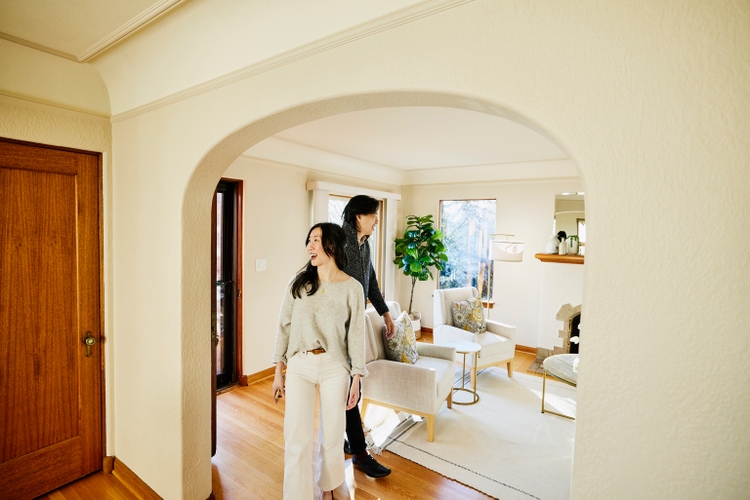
(321, 341)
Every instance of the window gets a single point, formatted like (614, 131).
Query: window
(468, 226)
(336, 204)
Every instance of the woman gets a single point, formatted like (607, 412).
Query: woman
(321, 340)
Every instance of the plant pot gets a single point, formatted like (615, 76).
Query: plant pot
(416, 323)
(572, 247)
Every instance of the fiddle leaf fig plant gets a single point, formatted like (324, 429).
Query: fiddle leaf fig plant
(420, 248)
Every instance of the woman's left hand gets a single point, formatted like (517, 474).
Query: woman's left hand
(353, 393)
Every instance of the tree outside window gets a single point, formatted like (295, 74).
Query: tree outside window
(468, 226)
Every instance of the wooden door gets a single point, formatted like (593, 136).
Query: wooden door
(50, 389)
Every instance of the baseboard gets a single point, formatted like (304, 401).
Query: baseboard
(252, 378)
(426, 329)
(131, 481)
(243, 380)
(523, 348)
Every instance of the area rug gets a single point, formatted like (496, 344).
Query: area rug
(503, 445)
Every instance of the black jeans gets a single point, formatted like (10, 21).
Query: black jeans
(354, 432)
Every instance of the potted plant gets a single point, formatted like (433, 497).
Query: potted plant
(573, 244)
(420, 248)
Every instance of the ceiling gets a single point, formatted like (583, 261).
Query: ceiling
(424, 137)
(76, 29)
(402, 138)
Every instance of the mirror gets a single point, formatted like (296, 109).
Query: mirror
(570, 216)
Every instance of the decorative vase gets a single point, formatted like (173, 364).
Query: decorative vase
(552, 244)
(572, 246)
(562, 248)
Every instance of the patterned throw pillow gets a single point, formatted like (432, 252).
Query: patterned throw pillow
(468, 315)
(402, 346)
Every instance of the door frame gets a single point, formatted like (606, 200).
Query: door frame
(237, 236)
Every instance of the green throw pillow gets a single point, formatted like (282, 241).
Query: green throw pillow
(402, 346)
(469, 315)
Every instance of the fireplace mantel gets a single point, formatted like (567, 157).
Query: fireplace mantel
(561, 259)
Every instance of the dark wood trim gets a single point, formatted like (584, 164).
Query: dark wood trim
(239, 210)
(108, 464)
(255, 377)
(560, 259)
(132, 482)
(524, 348)
(102, 331)
(243, 380)
(426, 329)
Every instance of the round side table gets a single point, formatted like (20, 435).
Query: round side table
(465, 347)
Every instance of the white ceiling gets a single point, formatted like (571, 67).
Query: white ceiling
(403, 138)
(423, 137)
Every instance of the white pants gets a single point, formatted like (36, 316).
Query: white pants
(305, 372)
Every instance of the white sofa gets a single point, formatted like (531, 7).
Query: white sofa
(498, 342)
(417, 389)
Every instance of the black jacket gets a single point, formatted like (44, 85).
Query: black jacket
(360, 268)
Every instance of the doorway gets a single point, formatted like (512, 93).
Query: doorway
(51, 360)
(226, 230)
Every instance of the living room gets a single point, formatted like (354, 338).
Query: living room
(649, 102)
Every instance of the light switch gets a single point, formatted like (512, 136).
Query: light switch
(260, 264)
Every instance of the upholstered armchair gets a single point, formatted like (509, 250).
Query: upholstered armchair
(498, 342)
(418, 389)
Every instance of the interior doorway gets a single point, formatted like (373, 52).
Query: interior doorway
(227, 290)
(51, 359)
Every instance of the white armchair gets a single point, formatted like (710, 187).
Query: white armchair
(498, 342)
(418, 389)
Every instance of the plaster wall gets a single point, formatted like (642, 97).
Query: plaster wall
(525, 209)
(43, 78)
(651, 102)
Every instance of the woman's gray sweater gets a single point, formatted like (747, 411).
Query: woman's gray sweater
(333, 318)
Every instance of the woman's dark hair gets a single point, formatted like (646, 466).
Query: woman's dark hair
(333, 240)
(359, 205)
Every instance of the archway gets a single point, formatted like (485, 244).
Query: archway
(195, 235)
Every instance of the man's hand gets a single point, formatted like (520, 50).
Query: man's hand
(353, 398)
(390, 328)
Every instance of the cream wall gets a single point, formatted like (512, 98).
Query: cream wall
(650, 100)
(525, 209)
(43, 78)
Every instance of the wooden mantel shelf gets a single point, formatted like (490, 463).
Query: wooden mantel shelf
(562, 259)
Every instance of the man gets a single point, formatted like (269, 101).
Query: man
(359, 220)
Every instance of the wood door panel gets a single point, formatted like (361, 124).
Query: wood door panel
(50, 275)
(37, 473)
(40, 320)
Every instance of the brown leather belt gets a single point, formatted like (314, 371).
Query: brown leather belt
(319, 350)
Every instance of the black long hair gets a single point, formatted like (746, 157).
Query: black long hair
(333, 240)
(359, 205)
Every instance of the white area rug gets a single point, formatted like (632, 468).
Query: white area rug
(503, 445)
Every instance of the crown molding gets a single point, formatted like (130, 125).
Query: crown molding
(50, 106)
(409, 14)
(127, 29)
(37, 46)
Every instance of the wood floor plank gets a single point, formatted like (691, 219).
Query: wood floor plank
(249, 463)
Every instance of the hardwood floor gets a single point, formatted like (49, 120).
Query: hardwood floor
(249, 459)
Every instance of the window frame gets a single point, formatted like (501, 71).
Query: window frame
(488, 275)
